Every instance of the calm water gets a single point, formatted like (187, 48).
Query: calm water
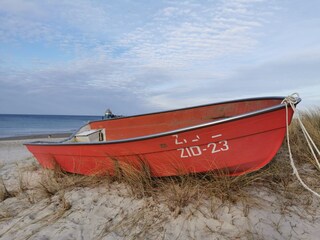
(22, 125)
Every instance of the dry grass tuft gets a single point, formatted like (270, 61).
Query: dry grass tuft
(53, 182)
(311, 120)
(178, 192)
(185, 194)
(4, 193)
(138, 179)
(277, 176)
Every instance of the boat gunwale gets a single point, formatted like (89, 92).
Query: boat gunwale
(179, 130)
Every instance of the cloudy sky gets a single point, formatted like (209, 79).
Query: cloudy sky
(135, 56)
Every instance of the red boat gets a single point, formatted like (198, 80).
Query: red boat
(233, 137)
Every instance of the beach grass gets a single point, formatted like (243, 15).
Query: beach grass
(179, 194)
(179, 191)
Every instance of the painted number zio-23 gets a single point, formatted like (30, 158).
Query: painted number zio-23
(194, 151)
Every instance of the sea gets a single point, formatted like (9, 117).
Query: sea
(16, 125)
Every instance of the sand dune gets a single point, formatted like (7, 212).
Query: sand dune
(110, 210)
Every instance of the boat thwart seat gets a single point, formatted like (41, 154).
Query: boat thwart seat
(92, 135)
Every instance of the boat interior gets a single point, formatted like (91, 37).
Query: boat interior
(148, 124)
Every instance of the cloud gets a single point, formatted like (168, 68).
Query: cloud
(82, 87)
(294, 73)
(189, 31)
(72, 26)
(177, 33)
(143, 61)
(143, 55)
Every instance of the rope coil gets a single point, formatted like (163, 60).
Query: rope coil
(292, 100)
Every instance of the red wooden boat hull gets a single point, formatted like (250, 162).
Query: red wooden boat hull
(233, 137)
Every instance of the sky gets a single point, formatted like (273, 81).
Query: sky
(81, 57)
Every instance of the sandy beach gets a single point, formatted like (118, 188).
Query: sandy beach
(31, 208)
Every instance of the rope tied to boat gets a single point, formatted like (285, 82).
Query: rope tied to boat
(291, 101)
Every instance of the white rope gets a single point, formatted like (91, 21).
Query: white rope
(292, 100)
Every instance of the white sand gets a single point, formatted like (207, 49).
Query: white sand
(109, 211)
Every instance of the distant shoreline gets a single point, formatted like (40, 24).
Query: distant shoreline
(35, 136)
